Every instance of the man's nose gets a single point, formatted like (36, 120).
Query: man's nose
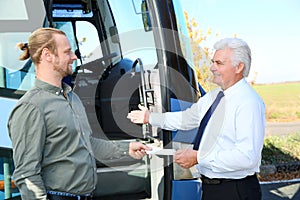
(74, 57)
(212, 67)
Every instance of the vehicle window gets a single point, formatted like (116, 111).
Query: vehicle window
(88, 41)
(112, 43)
(14, 74)
(131, 28)
(20, 75)
(183, 33)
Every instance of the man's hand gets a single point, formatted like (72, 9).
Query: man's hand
(186, 158)
(139, 116)
(137, 150)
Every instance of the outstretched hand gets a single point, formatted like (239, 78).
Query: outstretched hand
(139, 116)
(137, 150)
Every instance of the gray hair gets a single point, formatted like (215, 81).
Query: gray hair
(241, 52)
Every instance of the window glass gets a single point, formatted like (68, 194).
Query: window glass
(112, 43)
(88, 41)
(183, 33)
(20, 75)
(131, 28)
(14, 74)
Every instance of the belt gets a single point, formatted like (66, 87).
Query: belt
(66, 196)
(217, 181)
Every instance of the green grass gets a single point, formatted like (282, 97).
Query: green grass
(282, 100)
(279, 149)
(282, 105)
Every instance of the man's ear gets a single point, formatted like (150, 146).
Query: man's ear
(46, 54)
(240, 68)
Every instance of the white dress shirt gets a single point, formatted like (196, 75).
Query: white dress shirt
(233, 139)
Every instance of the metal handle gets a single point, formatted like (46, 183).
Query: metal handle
(143, 86)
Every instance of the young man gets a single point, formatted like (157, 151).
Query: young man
(229, 153)
(53, 150)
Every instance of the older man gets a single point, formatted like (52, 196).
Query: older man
(227, 150)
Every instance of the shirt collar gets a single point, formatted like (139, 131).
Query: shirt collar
(234, 88)
(51, 88)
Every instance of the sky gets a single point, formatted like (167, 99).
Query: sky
(270, 27)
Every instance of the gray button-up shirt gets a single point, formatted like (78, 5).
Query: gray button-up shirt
(52, 143)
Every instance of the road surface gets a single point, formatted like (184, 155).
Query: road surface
(282, 128)
(281, 190)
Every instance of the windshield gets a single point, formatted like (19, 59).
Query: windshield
(183, 33)
(131, 28)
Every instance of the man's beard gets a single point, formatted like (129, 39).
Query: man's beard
(63, 71)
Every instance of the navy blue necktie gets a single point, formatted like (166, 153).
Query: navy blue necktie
(205, 120)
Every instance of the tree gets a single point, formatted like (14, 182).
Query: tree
(201, 56)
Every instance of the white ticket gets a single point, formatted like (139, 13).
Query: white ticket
(160, 151)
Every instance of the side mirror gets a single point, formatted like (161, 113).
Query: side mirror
(146, 16)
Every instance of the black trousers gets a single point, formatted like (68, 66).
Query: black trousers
(231, 189)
